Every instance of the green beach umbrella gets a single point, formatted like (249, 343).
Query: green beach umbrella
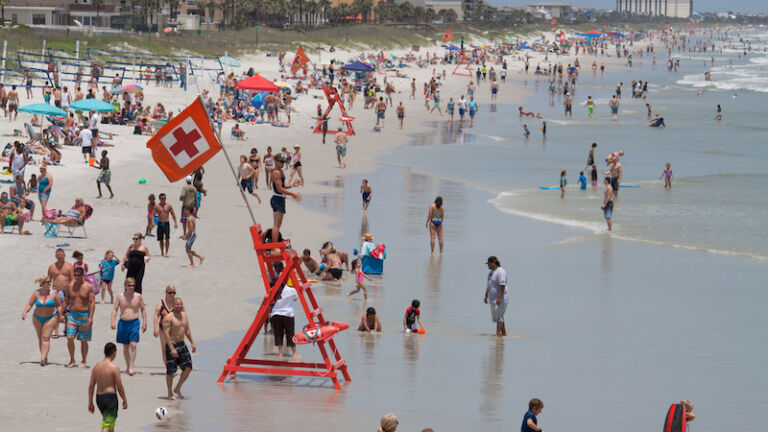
(93, 104)
(229, 61)
(44, 109)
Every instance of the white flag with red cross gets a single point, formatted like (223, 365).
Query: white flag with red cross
(185, 143)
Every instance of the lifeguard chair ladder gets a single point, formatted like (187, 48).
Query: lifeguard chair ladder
(269, 253)
(465, 61)
(332, 96)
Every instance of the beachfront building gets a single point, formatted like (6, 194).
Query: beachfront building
(186, 14)
(550, 9)
(668, 8)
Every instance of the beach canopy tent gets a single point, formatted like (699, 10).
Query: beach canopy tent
(229, 61)
(524, 46)
(358, 66)
(93, 105)
(453, 48)
(257, 83)
(44, 109)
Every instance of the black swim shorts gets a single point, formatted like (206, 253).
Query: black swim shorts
(163, 231)
(183, 361)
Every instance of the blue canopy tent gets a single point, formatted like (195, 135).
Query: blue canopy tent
(524, 46)
(358, 66)
(453, 48)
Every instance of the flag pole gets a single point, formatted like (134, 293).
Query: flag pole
(226, 155)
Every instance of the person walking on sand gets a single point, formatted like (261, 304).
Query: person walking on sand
(163, 210)
(48, 312)
(280, 190)
(190, 237)
(607, 206)
(82, 302)
(129, 303)
(668, 176)
(176, 328)
(568, 105)
(435, 218)
(246, 175)
(61, 274)
(341, 141)
(381, 109)
(163, 308)
(400, 113)
(497, 294)
(105, 379)
(105, 175)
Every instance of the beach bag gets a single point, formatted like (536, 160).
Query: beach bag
(675, 420)
(95, 280)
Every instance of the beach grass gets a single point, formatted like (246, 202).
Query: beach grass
(236, 42)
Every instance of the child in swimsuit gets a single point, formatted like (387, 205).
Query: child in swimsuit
(78, 256)
(668, 176)
(150, 217)
(359, 275)
(107, 266)
(412, 318)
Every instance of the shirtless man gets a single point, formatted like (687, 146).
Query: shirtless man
(310, 262)
(105, 175)
(105, 378)
(81, 301)
(400, 113)
(590, 104)
(162, 210)
(176, 327)
(129, 303)
(615, 172)
(366, 191)
(614, 104)
(13, 104)
(381, 109)
(3, 100)
(341, 141)
(190, 236)
(607, 206)
(525, 113)
(246, 175)
(62, 275)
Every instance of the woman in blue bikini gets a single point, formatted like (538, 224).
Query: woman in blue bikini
(48, 309)
(435, 218)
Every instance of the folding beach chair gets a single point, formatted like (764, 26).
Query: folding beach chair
(52, 228)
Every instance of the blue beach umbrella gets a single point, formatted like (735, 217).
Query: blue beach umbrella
(44, 109)
(93, 104)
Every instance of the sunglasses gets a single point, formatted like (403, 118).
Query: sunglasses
(130, 285)
(170, 292)
(137, 238)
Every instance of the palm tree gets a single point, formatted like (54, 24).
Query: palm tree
(450, 15)
(2, 10)
(406, 11)
(98, 4)
(173, 6)
(324, 6)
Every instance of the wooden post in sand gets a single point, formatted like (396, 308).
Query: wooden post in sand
(77, 52)
(43, 51)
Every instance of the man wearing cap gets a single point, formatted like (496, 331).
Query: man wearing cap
(86, 138)
(496, 294)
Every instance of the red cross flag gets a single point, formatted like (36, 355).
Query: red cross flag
(185, 143)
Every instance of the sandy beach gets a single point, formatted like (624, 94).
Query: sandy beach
(222, 296)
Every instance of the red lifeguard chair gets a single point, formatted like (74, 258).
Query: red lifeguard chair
(269, 253)
(332, 96)
(465, 61)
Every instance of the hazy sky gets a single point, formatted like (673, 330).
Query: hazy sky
(747, 6)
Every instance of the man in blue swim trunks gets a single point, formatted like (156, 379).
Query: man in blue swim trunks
(82, 302)
(129, 303)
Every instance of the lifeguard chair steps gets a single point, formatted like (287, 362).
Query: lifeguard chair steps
(269, 253)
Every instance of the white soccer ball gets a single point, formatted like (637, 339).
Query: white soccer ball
(161, 413)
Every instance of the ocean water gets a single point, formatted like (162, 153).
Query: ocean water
(606, 331)
(716, 203)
